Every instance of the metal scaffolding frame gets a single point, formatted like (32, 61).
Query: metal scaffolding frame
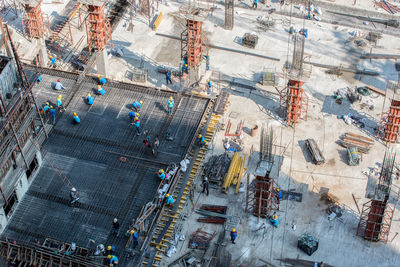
(389, 124)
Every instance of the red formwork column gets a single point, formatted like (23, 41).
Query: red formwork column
(295, 101)
(98, 30)
(393, 122)
(32, 20)
(195, 43)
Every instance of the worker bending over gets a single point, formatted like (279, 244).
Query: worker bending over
(134, 238)
(73, 196)
(136, 123)
(52, 61)
(202, 141)
(274, 220)
(90, 99)
(161, 174)
(113, 260)
(101, 79)
(137, 105)
(168, 77)
(100, 90)
(76, 119)
(170, 104)
(53, 114)
(58, 85)
(169, 200)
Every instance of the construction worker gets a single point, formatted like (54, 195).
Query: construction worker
(132, 115)
(39, 79)
(134, 238)
(137, 105)
(274, 220)
(184, 68)
(205, 185)
(41, 110)
(59, 103)
(58, 85)
(90, 99)
(170, 104)
(52, 61)
(161, 174)
(110, 250)
(101, 79)
(136, 123)
(113, 260)
(46, 110)
(73, 196)
(278, 195)
(209, 85)
(115, 226)
(168, 76)
(53, 114)
(202, 141)
(233, 235)
(169, 200)
(207, 58)
(255, 4)
(100, 90)
(76, 119)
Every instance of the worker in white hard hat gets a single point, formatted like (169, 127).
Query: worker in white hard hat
(73, 196)
(115, 226)
(170, 104)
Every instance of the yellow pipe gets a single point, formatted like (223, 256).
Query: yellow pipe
(240, 174)
(231, 171)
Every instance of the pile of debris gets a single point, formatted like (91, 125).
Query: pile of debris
(201, 239)
(315, 152)
(216, 168)
(250, 40)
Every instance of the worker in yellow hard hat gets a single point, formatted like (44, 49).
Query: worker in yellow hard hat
(52, 61)
(161, 174)
(76, 119)
(101, 79)
(137, 105)
(100, 90)
(90, 99)
(278, 195)
(170, 104)
(169, 200)
(274, 220)
(52, 113)
(59, 104)
(201, 140)
(135, 237)
(233, 235)
(185, 68)
(209, 85)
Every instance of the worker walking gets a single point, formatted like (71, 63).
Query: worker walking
(59, 104)
(76, 119)
(90, 99)
(52, 61)
(233, 235)
(58, 85)
(101, 79)
(170, 104)
(207, 58)
(201, 140)
(205, 185)
(255, 4)
(274, 220)
(134, 238)
(184, 69)
(168, 77)
(209, 85)
(53, 114)
(278, 195)
(137, 105)
(161, 174)
(100, 90)
(115, 226)
(73, 196)
(169, 200)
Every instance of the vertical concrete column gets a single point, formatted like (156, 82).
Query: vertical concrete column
(102, 63)
(43, 56)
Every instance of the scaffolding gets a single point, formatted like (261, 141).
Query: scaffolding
(293, 99)
(98, 28)
(390, 123)
(377, 214)
(229, 14)
(33, 24)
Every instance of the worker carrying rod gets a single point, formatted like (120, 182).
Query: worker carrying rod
(73, 196)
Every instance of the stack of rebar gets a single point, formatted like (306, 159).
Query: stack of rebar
(363, 144)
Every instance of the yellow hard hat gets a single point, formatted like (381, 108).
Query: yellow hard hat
(200, 136)
(89, 95)
(185, 65)
(109, 257)
(50, 57)
(99, 86)
(208, 80)
(278, 189)
(233, 230)
(161, 170)
(132, 232)
(167, 195)
(51, 106)
(275, 217)
(59, 96)
(47, 103)
(75, 114)
(98, 76)
(109, 248)
(141, 102)
(137, 114)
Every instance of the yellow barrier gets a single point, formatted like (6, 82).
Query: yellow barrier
(157, 21)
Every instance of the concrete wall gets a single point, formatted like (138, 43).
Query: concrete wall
(8, 77)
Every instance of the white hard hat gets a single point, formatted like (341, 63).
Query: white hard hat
(115, 220)
(73, 189)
